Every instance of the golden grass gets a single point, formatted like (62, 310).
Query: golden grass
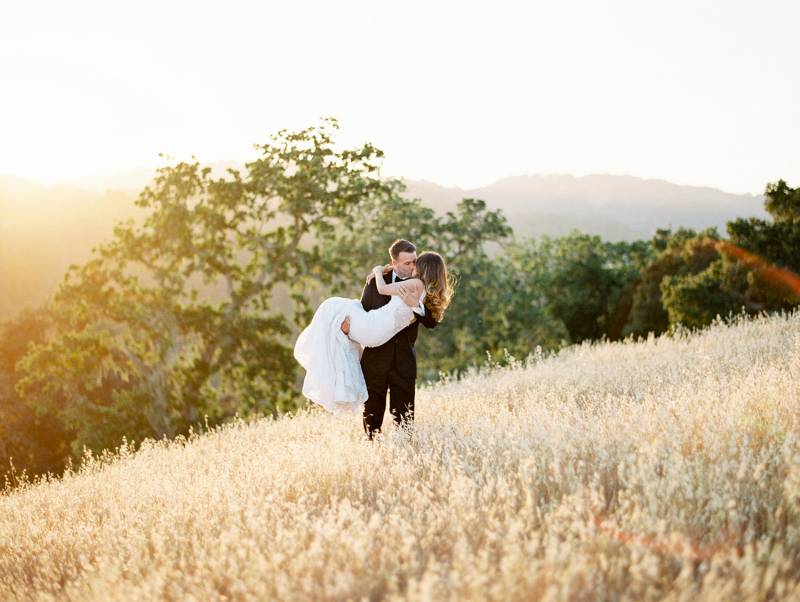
(662, 470)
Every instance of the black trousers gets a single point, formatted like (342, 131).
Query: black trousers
(401, 399)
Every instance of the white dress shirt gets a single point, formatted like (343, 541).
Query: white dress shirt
(421, 308)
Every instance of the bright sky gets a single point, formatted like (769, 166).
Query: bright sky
(461, 93)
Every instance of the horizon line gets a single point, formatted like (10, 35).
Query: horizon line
(79, 181)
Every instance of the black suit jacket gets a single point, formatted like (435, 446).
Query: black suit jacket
(377, 361)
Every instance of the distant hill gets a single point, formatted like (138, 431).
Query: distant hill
(615, 207)
(44, 229)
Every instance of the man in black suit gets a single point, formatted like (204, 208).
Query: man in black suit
(393, 365)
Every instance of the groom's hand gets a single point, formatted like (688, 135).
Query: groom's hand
(405, 291)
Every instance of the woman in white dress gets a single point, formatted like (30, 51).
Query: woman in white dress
(331, 358)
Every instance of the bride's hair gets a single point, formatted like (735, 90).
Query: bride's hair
(432, 270)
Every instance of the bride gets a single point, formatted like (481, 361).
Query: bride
(331, 358)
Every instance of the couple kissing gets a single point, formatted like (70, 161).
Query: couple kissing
(355, 351)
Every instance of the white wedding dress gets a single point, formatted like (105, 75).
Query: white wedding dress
(332, 360)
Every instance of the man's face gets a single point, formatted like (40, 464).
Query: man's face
(404, 264)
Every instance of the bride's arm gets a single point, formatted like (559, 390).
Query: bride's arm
(401, 289)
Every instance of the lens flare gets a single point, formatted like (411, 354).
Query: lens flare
(676, 549)
(770, 272)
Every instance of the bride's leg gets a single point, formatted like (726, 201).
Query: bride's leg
(345, 326)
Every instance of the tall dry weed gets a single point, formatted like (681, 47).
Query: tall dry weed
(667, 469)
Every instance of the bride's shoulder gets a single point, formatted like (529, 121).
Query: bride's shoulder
(415, 284)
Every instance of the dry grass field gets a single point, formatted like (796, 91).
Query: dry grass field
(661, 470)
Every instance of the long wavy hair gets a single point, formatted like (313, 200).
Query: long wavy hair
(432, 270)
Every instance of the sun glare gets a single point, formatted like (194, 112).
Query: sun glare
(57, 130)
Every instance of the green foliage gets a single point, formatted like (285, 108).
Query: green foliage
(695, 299)
(646, 313)
(777, 243)
(191, 315)
(475, 322)
(587, 281)
(743, 276)
(461, 237)
(674, 254)
(534, 293)
(33, 442)
(695, 278)
(782, 203)
(578, 285)
(137, 350)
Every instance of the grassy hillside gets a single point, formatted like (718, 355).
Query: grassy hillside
(666, 469)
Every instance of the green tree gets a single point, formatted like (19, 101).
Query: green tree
(34, 442)
(475, 322)
(367, 234)
(462, 236)
(679, 253)
(754, 271)
(137, 350)
(587, 280)
(695, 299)
(776, 244)
(543, 293)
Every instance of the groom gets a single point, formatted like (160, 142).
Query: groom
(393, 365)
